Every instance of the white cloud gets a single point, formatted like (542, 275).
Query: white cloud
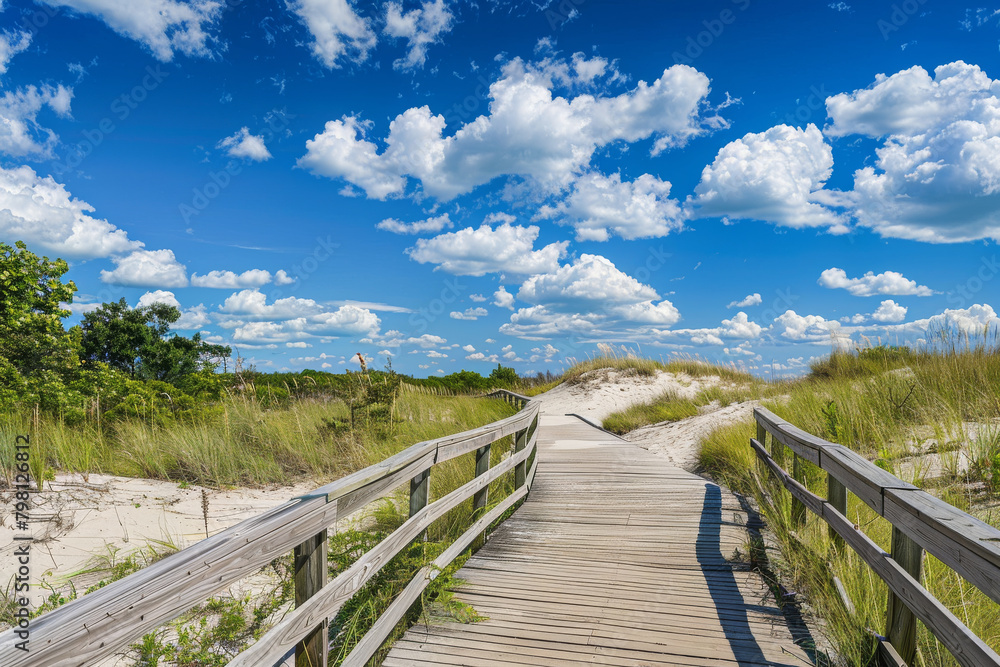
(589, 295)
(469, 348)
(749, 300)
(432, 225)
(282, 278)
(158, 296)
(337, 30)
(529, 133)
(797, 327)
(937, 173)
(164, 26)
(298, 344)
(147, 268)
(474, 252)
(245, 145)
(479, 356)
(599, 205)
(43, 214)
(740, 326)
(503, 298)
(10, 45)
(469, 314)
(870, 284)
(231, 280)
(889, 311)
(776, 176)
(20, 133)
(477, 298)
(420, 28)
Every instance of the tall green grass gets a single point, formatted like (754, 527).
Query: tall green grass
(879, 401)
(244, 442)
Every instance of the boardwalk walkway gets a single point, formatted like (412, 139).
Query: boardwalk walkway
(615, 558)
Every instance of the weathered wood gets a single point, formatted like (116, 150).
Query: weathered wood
(311, 571)
(420, 487)
(960, 541)
(377, 634)
(862, 477)
(325, 603)
(967, 648)
(836, 495)
(798, 509)
(481, 499)
(520, 472)
(887, 655)
(901, 623)
(762, 439)
(804, 444)
(105, 621)
(800, 493)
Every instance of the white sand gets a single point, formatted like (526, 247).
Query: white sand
(74, 520)
(604, 392)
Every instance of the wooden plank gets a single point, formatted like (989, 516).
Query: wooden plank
(329, 599)
(966, 647)
(901, 623)
(804, 444)
(799, 492)
(355, 500)
(311, 571)
(960, 541)
(836, 495)
(378, 633)
(862, 477)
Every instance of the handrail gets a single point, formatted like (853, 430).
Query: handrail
(104, 622)
(920, 522)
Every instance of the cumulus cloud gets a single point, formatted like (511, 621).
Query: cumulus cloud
(776, 176)
(870, 284)
(749, 300)
(472, 314)
(589, 295)
(10, 45)
(338, 31)
(432, 225)
(420, 27)
(245, 145)
(163, 26)
(792, 326)
(599, 205)
(231, 280)
(20, 133)
(475, 252)
(529, 133)
(147, 268)
(43, 214)
(503, 298)
(889, 311)
(936, 176)
(291, 318)
(158, 296)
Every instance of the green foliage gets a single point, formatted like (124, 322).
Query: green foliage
(501, 376)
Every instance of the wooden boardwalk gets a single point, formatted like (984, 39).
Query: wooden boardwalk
(615, 558)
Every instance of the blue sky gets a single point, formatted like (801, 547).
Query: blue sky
(455, 184)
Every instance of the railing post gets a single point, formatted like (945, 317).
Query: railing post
(836, 495)
(762, 439)
(901, 624)
(521, 469)
(481, 497)
(419, 491)
(798, 507)
(311, 575)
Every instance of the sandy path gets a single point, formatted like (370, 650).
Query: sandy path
(602, 393)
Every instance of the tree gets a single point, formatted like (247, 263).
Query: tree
(32, 294)
(504, 377)
(121, 336)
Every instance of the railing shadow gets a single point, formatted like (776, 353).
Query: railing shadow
(723, 587)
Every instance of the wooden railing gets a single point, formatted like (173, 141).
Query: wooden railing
(919, 521)
(108, 620)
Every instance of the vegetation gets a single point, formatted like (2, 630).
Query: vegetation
(930, 416)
